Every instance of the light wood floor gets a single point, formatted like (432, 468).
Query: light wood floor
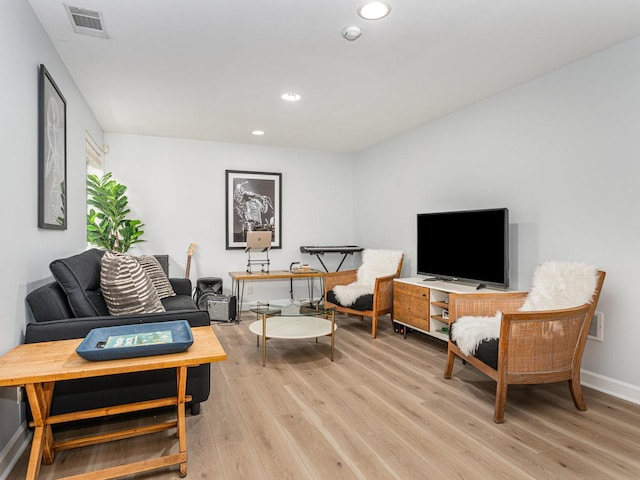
(381, 411)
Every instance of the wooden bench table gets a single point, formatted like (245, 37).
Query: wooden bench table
(37, 366)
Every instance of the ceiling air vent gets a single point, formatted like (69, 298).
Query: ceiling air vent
(86, 22)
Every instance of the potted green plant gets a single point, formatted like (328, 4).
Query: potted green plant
(107, 224)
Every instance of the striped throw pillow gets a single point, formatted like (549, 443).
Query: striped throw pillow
(159, 279)
(126, 287)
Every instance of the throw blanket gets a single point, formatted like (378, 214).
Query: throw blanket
(555, 285)
(375, 263)
(469, 332)
(558, 285)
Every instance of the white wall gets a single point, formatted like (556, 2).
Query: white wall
(177, 188)
(26, 250)
(561, 153)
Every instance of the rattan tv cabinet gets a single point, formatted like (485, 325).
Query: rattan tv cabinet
(424, 305)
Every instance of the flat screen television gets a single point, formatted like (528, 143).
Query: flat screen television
(469, 246)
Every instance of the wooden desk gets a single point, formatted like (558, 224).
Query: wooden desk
(238, 279)
(37, 366)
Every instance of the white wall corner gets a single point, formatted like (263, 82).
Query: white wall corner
(611, 386)
(13, 450)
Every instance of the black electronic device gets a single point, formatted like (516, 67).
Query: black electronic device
(344, 250)
(470, 246)
(206, 287)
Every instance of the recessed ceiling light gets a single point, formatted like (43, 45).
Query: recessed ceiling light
(257, 132)
(291, 97)
(374, 10)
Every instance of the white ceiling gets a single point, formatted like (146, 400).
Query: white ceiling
(215, 69)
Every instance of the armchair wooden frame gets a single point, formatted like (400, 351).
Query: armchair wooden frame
(534, 346)
(382, 294)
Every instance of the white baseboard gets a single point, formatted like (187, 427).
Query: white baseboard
(14, 449)
(610, 386)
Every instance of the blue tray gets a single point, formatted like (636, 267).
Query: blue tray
(139, 340)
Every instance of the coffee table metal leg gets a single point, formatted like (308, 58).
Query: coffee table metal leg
(264, 339)
(241, 297)
(333, 332)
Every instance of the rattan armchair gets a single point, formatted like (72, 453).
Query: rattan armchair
(534, 346)
(382, 295)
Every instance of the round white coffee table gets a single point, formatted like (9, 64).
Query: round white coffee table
(287, 323)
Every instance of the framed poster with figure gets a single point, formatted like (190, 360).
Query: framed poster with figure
(52, 154)
(253, 202)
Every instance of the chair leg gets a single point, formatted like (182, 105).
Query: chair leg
(448, 368)
(576, 394)
(501, 400)
(374, 326)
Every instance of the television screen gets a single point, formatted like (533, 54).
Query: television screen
(467, 246)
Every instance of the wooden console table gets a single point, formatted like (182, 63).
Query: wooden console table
(37, 366)
(238, 279)
(424, 305)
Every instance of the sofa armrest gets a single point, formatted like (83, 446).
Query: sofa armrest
(182, 286)
(80, 327)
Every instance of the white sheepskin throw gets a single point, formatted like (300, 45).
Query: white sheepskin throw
(469, 331)
(375, 263)
(348, 294)
(558, 285)
(555, 285)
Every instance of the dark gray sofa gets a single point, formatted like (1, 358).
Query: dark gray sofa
(73, 305)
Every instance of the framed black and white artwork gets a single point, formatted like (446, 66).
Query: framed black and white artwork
(52, 154)
(253, 202)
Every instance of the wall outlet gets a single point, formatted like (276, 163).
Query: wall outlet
(596, 330)
(249, 290)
